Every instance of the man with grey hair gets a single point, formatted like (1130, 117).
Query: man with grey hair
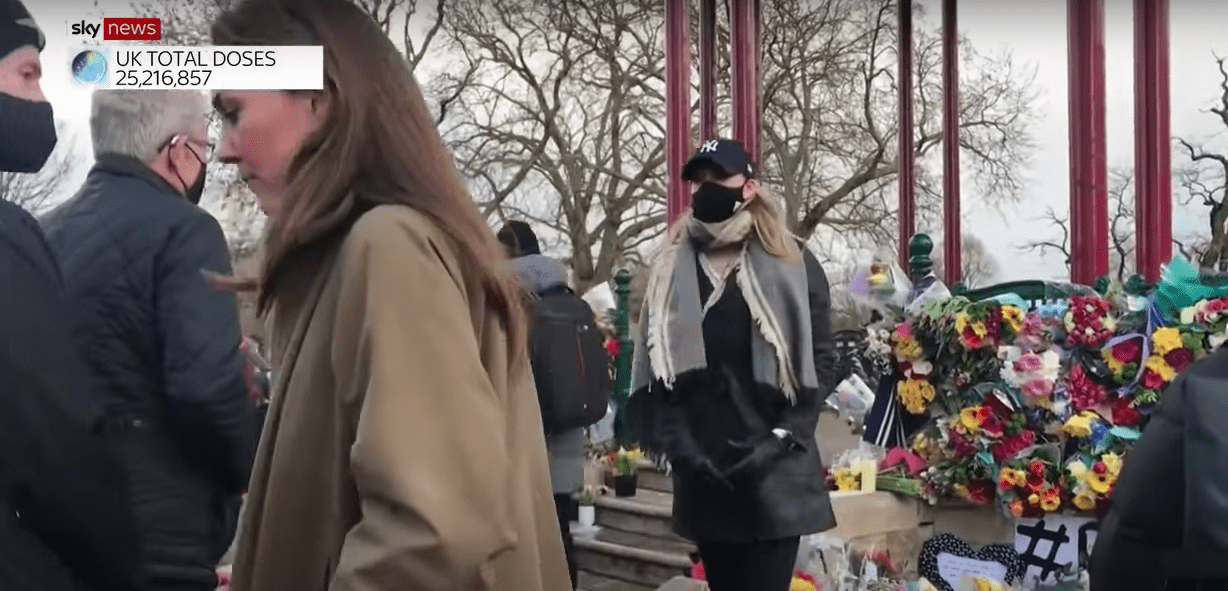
(134, 249)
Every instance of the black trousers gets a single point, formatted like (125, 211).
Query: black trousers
(755, 566)
(565, 505)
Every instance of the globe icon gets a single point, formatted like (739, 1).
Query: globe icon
(89, 67)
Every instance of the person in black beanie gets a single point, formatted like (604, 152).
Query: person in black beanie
(64, 518)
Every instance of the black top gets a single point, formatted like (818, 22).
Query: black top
(699, 417)
(75, 529)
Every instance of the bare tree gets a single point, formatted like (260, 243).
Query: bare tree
(1205, 181)
(830, 116)
(559, 121)
(979, 267)
(1121, 228)
(562, 122)
(36, 192)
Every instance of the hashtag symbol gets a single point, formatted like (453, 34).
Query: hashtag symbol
(1035, 534)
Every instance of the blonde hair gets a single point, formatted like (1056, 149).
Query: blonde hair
(770, 226)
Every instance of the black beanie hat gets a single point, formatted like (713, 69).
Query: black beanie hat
(519, 239)
(17, 28)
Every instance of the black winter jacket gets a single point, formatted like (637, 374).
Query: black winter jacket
(698, 418)
(64, 518)
(1169, 518)
(166, 346)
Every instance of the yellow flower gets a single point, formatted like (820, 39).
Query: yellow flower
(1079, 425)
(1113, 462)
(1115, 365)
(1011, 477)
(1033, 499)
(1166, 339)
(846, 479)
(1051, 500)
(1014, 317)
(798, 584)
(970, 419)
(1084, 502)
(915, 395)
(1157, 364)
(1101, 483)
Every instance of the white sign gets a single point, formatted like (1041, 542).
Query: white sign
(150, 67)
(954, 568)
(1054, 544)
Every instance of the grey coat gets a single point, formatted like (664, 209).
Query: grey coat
(537, 273)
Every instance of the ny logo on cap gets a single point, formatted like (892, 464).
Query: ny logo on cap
(709, 146)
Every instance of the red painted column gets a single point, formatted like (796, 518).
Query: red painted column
(1089, 215)
(907, 152)
(707, 70)
(1153, 199)
(677, 105)
(744, 39)
(952, 245)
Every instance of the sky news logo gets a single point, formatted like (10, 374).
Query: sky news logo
(119, 29)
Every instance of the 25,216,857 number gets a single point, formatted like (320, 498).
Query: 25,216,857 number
(171, 78)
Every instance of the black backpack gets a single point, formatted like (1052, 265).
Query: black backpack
(569, 359)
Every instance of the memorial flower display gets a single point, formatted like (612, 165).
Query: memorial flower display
(1036, 409)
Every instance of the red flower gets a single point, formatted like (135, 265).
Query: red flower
(1036, 482)
(1037, 468)
(1152, 380)
(980, 491)
(612, 347)
(993, 325)
(1007, 448)
(971, 339)
(1124, 413)
(1099, 467)
(962, 447)
(1127, 351)
(1179, 359)
(1084, 392)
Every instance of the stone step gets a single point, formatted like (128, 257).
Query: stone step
(648, 513)
(647, 568)
(593, 582)
(672, 544)
(653, 478)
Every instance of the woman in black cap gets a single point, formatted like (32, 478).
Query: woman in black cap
(733, 364)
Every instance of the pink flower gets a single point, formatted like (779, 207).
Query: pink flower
(1037, 388)
(1028, 363)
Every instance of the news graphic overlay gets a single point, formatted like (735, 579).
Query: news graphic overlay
(159, 67)
(89, 67)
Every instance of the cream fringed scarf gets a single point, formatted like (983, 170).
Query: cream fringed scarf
(670, 340)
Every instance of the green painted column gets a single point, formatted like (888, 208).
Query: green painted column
(622, 324)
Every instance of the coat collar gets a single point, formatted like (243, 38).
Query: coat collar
(121, 165)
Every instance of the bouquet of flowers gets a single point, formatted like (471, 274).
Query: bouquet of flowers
(1031, 486)
(1089, 321)
(915, 390)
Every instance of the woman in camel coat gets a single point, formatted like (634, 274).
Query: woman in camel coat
(403, 448)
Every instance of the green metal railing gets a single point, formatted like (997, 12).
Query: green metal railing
(622, 325)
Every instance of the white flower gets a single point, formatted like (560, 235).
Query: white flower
(1217, 339)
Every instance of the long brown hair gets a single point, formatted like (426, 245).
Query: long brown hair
(377, 145)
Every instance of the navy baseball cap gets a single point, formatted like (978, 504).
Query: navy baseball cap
(727, 156)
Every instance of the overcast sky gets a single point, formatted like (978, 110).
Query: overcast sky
(1034, 31)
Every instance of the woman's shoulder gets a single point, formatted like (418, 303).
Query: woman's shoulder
(399, 235)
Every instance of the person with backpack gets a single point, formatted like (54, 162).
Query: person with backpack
(568, 356)
(732, 365)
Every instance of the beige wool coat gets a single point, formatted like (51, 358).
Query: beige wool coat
(401, 452)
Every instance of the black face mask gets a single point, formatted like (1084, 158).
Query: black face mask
(193, 192)
(197, 189)
(28, 129)
(714, 203)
